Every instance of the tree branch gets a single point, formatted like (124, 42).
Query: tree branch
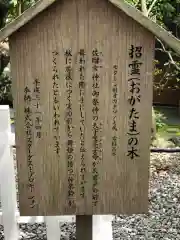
(169, 55)
(162, 79)
(151, 6)
(136, 3)
(144, 8)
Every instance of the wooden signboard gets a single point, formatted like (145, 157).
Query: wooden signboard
(82, 84)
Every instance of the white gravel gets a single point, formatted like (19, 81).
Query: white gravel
(163, 220)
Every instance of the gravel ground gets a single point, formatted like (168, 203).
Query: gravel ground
(163, 220)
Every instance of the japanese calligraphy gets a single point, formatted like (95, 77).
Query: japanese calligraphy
(114, 110)
(96, 124)
(56, 111)
(135, 54)
(38, 115)
(82, 62)
(29, 136)
(135, 51)
(69, 127)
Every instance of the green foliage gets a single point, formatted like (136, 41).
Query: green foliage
(132, 2)
(4, 7)
(160, 120)
(5, 90)
(17, 7)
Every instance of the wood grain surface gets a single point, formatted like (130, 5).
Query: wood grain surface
(118, 183)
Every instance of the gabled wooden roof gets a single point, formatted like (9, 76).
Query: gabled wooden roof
(129, 10)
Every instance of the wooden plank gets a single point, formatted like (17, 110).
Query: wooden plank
(84, 227)
(122, 184)
(7, 179)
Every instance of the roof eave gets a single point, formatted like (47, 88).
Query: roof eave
(24, 18)
(153, 27)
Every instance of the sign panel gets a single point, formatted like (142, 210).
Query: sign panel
(82, 84)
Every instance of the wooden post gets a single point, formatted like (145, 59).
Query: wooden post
(94, 227)
(102, 227)
(53, 228)
(7, 178)
(84, 227)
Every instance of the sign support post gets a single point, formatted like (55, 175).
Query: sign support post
(84, 227)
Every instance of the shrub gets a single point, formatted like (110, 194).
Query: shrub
(159, 118)
(5, 90)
